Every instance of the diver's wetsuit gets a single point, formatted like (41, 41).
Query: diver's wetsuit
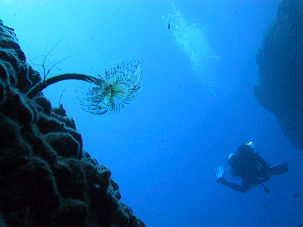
(251, 168)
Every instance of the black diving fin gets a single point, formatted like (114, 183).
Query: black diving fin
(279, 168)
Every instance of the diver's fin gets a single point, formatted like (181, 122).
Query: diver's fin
(279, 168)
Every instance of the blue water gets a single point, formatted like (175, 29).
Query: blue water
(195, 107)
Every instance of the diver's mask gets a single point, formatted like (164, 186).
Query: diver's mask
(251, 144)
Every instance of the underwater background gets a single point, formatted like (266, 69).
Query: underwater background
(195, 107)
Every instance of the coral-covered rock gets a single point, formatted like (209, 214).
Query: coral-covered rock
(46, 179)
(43, 105)
(280, 69)
(64, 144)
(72, 213)
(18, 108)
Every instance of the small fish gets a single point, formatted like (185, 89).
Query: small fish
(168, 26)
(297, 195)
(301, 154)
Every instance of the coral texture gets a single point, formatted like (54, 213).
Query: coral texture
(280, 68)
(46, 178)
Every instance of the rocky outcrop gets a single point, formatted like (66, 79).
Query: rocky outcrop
(46, 178)
(280, 69)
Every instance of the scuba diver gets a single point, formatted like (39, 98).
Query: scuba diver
(250, 167)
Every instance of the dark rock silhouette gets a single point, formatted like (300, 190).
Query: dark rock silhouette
(46, 178)
(280, 69)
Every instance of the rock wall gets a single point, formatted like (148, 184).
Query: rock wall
(280, 69)
(46, 178)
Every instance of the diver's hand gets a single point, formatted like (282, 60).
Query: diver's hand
(220, 173)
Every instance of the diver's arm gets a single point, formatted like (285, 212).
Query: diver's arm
(240, 188)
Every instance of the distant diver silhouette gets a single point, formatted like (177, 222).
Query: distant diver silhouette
(250, 167)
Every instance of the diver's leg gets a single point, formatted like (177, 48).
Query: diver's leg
(266, 189)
